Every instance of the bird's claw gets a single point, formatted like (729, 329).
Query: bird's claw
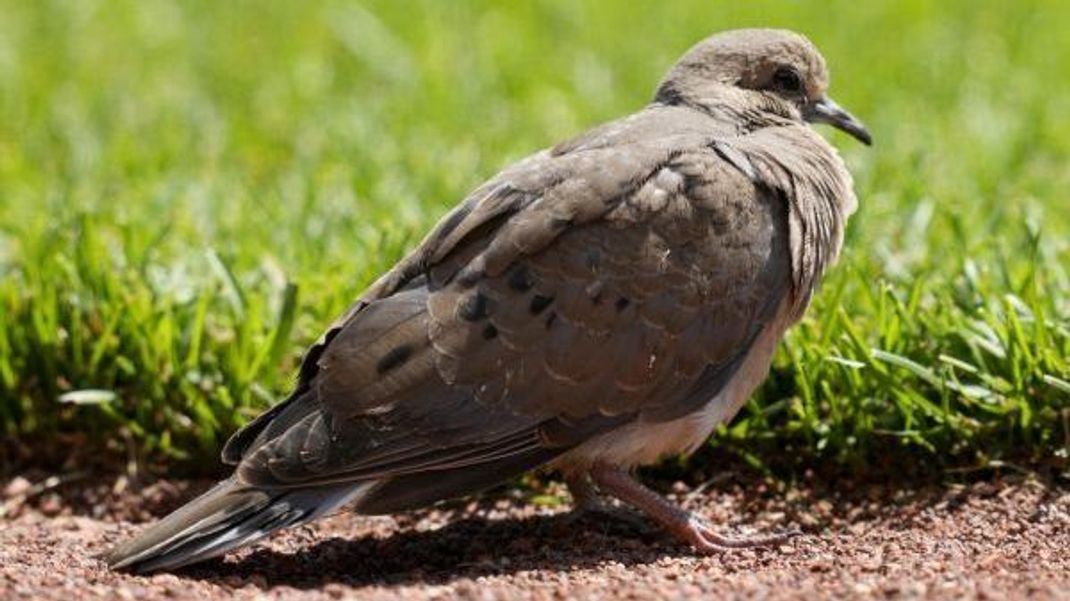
(697, 533)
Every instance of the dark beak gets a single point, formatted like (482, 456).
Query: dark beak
(827, 111)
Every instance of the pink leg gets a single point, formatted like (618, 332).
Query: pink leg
(586, 501)
(584, 495)
(684, 525)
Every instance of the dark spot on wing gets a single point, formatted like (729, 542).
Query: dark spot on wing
(520, 279)
(490, 332)
(622, 303)
(559, 223)
(473, 307)
(539, 303)
(394, 358)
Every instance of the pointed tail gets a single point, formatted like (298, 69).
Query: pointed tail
(228, 516)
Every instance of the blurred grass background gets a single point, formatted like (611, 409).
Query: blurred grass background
(190, 191)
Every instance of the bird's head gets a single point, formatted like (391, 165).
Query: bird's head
(770, 70)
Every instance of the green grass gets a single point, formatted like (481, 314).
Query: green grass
(190, 191)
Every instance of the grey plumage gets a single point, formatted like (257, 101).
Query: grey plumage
(600, 303)
(229, 515)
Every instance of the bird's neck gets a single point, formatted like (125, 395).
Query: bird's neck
(752, 109)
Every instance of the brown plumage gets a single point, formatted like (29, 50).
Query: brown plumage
(593, 307)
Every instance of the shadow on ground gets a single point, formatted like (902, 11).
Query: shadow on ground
(465, 548)
(466, 544)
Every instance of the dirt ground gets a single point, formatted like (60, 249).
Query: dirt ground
(1005, 538)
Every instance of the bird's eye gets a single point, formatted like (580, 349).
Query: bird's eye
(787, 79)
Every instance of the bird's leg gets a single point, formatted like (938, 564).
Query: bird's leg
(587, 501)
(684, 525)
(584, 494)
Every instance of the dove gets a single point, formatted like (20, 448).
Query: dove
(597, 306)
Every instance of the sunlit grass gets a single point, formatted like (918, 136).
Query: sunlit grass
(190, 192)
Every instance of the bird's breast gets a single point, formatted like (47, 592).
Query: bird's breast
(643, 442)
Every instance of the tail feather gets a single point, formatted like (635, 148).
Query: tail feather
(226, 517)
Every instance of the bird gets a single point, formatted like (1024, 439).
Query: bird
(595, 307)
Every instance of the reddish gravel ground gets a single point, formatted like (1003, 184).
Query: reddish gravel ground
(996, 539)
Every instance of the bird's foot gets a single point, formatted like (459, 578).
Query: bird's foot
(684, 525)
(697, 533)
